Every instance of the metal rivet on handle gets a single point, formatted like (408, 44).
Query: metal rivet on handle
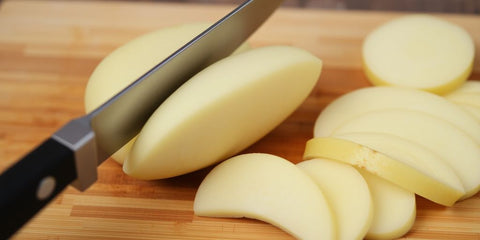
(46, 187)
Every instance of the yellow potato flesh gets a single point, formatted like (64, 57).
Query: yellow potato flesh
(132, 60)
(468, 98)
(419, 51)
(421, 159)
(473, 110)
(383, 166)
(394, 208)
(347, 194)
(471, 86)
(370, 99)
(267, 188)
(222, 110)
(451, 145)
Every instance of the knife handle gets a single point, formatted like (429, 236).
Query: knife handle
(33, 182)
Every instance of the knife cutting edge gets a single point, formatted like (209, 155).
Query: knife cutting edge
(71, 155)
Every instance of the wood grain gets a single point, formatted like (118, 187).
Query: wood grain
(48, 49)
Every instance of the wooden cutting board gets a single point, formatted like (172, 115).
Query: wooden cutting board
(48, 49)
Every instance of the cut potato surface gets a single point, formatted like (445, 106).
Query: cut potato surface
(267, 188)
(371, 99)
(132, 60)
(475, 111)
(449, 143)
(419, 51)
(471, 86)
(417, 157)
(468, 98)
(394, 208)
(347, 194)
(222, 110)
(384, 166)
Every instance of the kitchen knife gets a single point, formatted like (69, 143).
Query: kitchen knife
(72, 154)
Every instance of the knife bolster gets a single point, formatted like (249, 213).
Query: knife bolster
(79, 137)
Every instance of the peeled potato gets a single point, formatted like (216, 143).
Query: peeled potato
(471, 86)
(419, 51)
(474, 111)
(132, 60)
(364, 100)
(394, 208)
(347, 194)
(384, 166)
(267, 188)
(452, 146)
(467, 98)
(222, 110)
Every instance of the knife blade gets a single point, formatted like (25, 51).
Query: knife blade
(71, 155)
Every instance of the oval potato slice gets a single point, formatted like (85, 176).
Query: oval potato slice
(470, 86)
(419, 51)
(450, 144)
(382, 165)
(222, 110)
(267, 188)
(473, 110)
(370, 99)
(468, 98)
(394, 208)
(347, 194)
(417, 157)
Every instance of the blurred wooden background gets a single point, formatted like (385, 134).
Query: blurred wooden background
(438, 6)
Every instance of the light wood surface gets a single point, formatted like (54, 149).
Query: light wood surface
(49, 49)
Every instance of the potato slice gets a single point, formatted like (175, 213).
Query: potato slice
(384, 166)
(419, 51)
(474, 111)
(450, 144)
(130, 61)
(417, 157)
(394, 208)
(468, 98)
(370, 99)
(267, 188)
(222, 110)
(471, 86)
(347, 194)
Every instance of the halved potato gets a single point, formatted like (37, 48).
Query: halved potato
(222, 110)
(419, 51)
(131, 60)
(267, 188)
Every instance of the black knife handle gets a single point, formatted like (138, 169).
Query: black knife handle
(31, 183)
